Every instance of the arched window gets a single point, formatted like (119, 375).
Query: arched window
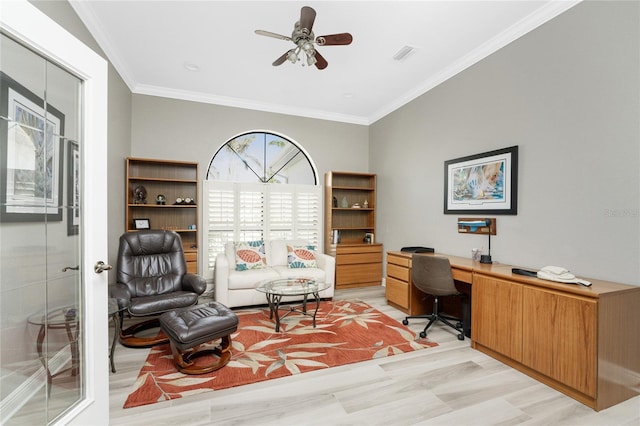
(243, 204)
(264, 157)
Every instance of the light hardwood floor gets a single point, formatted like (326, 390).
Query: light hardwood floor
(450, 384)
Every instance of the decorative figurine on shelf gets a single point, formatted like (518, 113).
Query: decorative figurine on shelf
(335, 202)
(365, 204)
(140, 195)
(161, 200)
(344, 203)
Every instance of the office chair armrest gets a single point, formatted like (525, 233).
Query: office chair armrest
(120, 292)
(194, 283)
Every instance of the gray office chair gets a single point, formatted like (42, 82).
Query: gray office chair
(432, 275)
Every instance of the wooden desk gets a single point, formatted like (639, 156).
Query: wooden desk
(582, 341)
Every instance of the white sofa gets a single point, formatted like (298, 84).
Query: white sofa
(238, 288)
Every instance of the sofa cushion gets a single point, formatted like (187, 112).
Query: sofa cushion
(286, 272)
(301, 257)
(240, 280)
(277, 252)
(250, 255)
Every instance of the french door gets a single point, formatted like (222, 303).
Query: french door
(53, 321)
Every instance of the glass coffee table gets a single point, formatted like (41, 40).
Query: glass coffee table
(275, 290)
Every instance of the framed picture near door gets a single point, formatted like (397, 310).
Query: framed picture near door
(73, 188)
(31, 155)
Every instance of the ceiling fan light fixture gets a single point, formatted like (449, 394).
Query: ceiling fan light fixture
(403, 53)
(311, 60)
(292, 56)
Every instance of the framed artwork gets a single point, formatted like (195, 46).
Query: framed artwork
(31, 153)
(484, 183)
(73, 188)
(141, 224)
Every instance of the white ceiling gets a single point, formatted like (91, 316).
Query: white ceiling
(150, 42)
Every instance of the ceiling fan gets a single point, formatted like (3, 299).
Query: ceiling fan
(304, 39)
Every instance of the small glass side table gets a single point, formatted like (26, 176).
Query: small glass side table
(63, 318)
(275, 290)
(114, 311)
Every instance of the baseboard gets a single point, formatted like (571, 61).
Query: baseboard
(30, 385)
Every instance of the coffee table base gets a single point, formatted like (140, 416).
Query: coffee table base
(274, 308)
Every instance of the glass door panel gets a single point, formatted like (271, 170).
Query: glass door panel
(40, 282)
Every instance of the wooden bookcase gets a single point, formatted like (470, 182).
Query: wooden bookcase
(350, 211)
(173, 179)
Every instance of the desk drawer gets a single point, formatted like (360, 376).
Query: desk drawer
(461, 275)
(398, 272)
(397, 292)
(399, 260)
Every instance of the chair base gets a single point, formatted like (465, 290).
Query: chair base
(129, 339)
(184, 359)
(433, 318)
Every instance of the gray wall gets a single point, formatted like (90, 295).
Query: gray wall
(567, 94)
(191, 131)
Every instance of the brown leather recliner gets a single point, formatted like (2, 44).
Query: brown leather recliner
(151, 279)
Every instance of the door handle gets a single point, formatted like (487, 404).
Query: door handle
(101, 266)
(74, 268)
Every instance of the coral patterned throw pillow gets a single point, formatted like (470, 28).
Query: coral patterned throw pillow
(250, 255)
(301, 257)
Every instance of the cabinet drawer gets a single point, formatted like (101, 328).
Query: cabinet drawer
(351, 259)
(363, 273)
(397, 292)
(191, 256)
(361, 248)
(398, 272)
(192, 267)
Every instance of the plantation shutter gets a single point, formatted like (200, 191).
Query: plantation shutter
(249, 212)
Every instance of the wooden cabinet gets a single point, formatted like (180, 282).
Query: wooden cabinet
(173, 180)
(497, 307)
(358, 265)
(350, 208)
(581, 341)
(567, 353)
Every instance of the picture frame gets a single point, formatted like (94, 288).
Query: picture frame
(485, 183)
(31, 155)
(139, 224)
(73, 188)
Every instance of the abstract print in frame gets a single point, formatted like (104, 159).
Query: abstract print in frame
(31, 152)
(73, 189)
(484, 183)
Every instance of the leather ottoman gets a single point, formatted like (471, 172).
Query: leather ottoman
(190, 328)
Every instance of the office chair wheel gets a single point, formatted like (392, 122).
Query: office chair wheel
(423, 334)
(405, 322)
(459, 325)
(460, 336)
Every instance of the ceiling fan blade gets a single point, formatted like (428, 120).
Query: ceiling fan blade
(334, 39)
(321, 62)
(307, 17)
(281, 59)
(274, 35)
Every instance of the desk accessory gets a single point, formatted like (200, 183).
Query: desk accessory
(417, 249)
(486, 258)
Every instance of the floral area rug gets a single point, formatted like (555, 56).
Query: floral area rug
(345, 332)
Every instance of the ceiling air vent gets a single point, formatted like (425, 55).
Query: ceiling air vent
(403, 53)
